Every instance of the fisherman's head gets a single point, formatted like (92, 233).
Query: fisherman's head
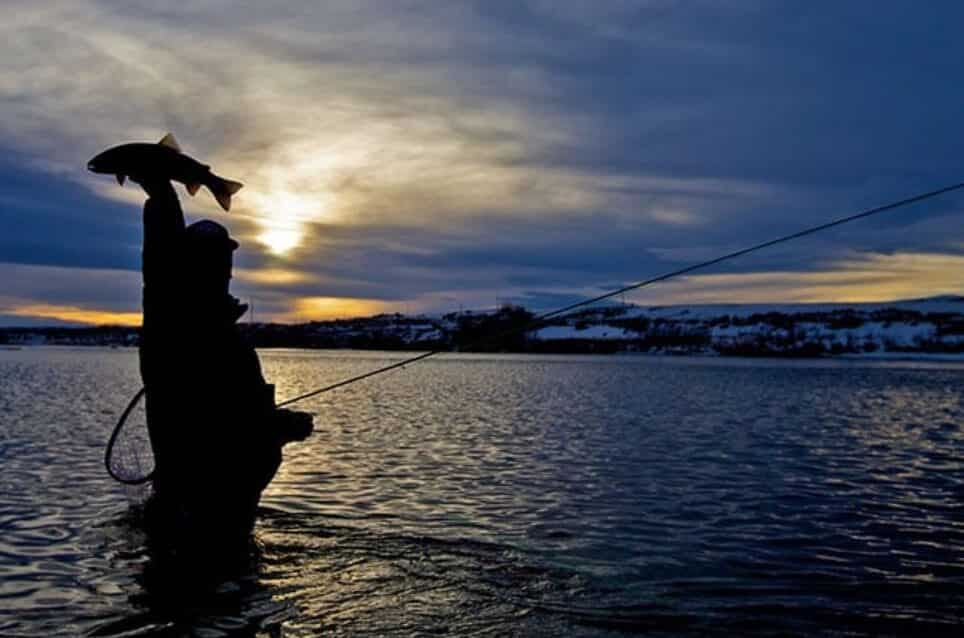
(208, 255)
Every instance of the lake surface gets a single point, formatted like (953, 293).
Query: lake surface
(516, 495)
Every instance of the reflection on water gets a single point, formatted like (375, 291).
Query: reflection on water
(504, 495)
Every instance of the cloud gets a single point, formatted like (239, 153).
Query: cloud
(434, 154)
(861, 278)
(67, 294)
(322, 308)
(74, 314)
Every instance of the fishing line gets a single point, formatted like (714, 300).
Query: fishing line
(642, 284)
(110, 461)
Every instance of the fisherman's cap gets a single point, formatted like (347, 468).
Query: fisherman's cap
(210, 233)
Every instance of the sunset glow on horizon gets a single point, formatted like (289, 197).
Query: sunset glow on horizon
(74, 314)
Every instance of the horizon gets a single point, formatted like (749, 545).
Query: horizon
(420, 158)
(948, 298)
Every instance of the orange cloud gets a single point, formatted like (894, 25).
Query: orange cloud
(77, 314)
(271, 276)
(324, 308)
(871, 278)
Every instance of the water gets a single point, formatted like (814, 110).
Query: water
(516, 495)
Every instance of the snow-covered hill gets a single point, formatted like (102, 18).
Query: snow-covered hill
(932, 325)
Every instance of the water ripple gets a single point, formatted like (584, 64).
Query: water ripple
(503, 495)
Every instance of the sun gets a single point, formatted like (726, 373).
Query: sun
(283, 215)
(280, 241)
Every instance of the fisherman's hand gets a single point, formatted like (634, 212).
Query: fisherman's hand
(292, 425)
(156, 188)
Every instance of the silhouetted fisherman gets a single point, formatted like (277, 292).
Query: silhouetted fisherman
(215, 429)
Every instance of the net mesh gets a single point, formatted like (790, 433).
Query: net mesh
(129, 456)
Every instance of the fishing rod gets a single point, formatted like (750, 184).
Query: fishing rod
(537, 320)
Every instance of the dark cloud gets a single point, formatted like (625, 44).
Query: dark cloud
(540, 300)
(47, 220)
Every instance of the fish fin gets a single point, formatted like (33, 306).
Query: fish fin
(169, 141)
(233, 187)
(224, 199)
(193, 188)
(121, 178)
(222, 189)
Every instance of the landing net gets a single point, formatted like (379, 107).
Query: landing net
(129, 457)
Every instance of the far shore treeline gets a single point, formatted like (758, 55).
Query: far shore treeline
(928, 326)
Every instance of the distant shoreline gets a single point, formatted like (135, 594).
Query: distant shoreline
(934, 357)
(921, 329)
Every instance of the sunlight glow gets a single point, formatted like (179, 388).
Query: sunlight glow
(271, 276)
(78, 315)
(323, 308)
(859, 279)
(283, 211)
(280, 240)
(283, 214)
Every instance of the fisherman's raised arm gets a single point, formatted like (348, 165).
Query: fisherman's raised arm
(162, 323)
(163, 232)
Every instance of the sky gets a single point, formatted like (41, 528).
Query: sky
(412, 156)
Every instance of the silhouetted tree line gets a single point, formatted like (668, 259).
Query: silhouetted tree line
(511, 329)
(501, 331)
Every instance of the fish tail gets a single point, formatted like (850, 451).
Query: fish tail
(223, 189)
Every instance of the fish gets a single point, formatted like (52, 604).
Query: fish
(164, 160)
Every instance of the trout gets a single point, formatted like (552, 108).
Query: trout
(143, 161)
